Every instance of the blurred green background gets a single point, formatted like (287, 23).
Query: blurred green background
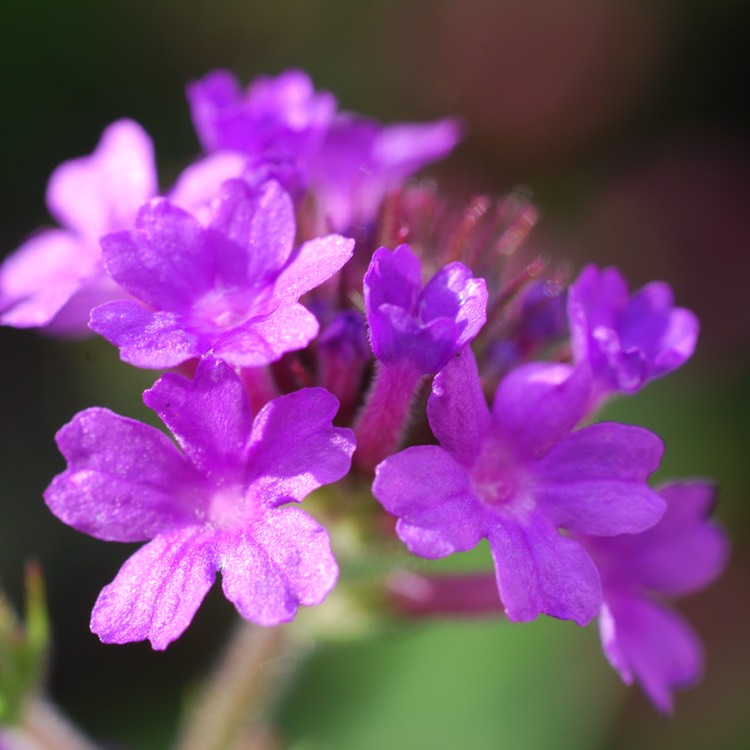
(628, 120)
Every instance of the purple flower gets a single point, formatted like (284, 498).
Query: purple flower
(293, 134)
(231, 288)
(55, 278)
(684, 552)
(628, 340)
(280, 118)
(218, 504)
(515, 476)
(421, 327)
(361, 160)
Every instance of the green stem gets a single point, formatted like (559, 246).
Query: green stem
(233, 703)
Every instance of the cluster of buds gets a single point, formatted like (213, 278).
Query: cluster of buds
(331, 326)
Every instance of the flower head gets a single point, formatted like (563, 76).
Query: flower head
(55, 278)
(218, 504)
(231, 288)
(684, 552)
(515, 476)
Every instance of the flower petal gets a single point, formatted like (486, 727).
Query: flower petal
(431, 494)
(594, 480)
(158, 590)
(209, 415)
(457, 409)
(261, 341)
(538, 404)
(280, 561)
(294, 447)
(166, 262)
(101, 193)
(155, 340)
(651, 642)
(540, 572)
(123, 481)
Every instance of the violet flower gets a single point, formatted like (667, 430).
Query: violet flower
(516, 475)
(291, 133)
(231, 288)
(282, 117)
(56, 277)
(642, 638)
(414, 331)
(627, 340)
(218, 504)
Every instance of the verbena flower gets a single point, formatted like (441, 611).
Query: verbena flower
(420, 326)
(515, 476)
(642, 638)
(218, 504)
(627, 339)
(56, 277)
(292, 133)
(231, 288)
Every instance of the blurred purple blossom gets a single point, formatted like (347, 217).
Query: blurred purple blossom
(56, 277)
(683, 553)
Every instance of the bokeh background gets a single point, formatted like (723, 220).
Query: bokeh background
(628, 121)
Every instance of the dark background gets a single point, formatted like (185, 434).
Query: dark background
(629, 122)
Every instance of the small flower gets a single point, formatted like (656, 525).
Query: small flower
(422, 327)
(515, 476)
(627, 340)
(218, 504)
(55, 278)
(683, 553)
(281, 118)
(231, 288)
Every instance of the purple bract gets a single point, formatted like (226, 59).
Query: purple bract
(231, 288)
(515, 475)
(218, 504)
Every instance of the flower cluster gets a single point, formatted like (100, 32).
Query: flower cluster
(326, 318)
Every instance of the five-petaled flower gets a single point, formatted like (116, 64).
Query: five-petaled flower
(219, 504)
(515, 475)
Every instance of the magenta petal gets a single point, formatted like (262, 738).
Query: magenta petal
(209, 415)
(454, 293)
(102, 192)
(313, 263)
(651, 642)
(457, 409)
(438, 510)
(291, 456)
(277, 563)
(594, 480)
(537, 404)
(158, 590)
(166, 261)
(540, 572)
(41, 276)
(260, 221)
(264, 340)
(123, 481)
(684, 552)
(155, 340)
